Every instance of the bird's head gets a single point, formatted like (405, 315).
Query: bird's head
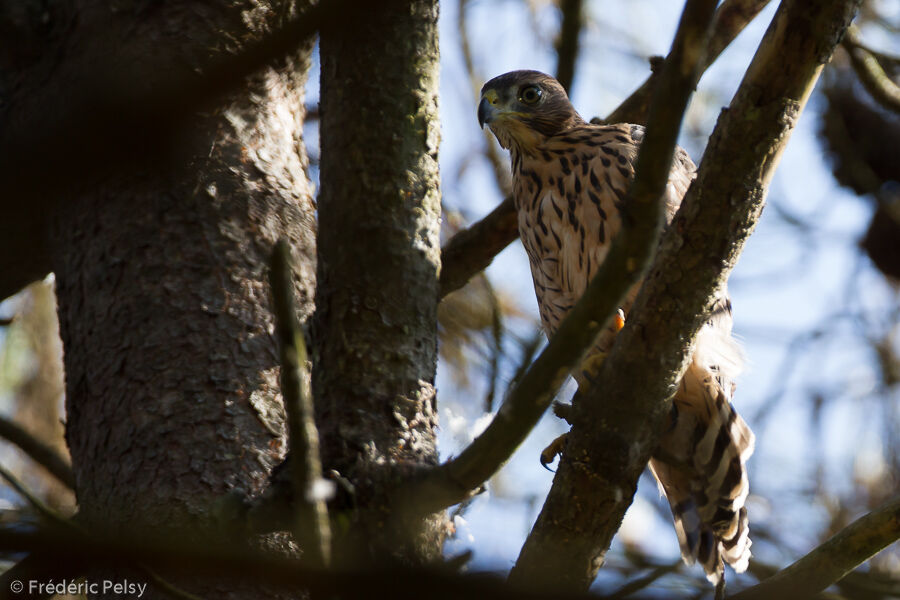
(523, 108)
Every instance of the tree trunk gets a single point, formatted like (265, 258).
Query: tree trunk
(379, 260)
(171, 368)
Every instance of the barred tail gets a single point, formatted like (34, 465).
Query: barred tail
(701, 469)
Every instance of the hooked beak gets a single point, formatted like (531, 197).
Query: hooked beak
(487, 107)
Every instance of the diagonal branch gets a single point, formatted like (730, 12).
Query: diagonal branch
(628, 257)
(871, 73)
(830, 562)
(311, 528)
(616, 428)
(38, 451)
(473, 249)
(731, 18)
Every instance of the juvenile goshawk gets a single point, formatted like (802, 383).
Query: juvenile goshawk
(570, 182)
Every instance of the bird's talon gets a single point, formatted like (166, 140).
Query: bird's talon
(552, 451)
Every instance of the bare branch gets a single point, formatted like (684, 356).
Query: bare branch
(731, 18)
(630, 588)
(616, 428)
(472, 249)
(499, 165)
(311, 528)
(38, 451)
(871, 73)
(834, 559)
(467, 253)
(628, 257)
(39, 505)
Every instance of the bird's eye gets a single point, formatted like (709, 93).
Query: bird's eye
(530, 94)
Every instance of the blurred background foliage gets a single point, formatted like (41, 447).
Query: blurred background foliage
(815, 295)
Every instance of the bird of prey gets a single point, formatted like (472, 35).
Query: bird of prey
(570, 181)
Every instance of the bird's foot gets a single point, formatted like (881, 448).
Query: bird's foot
(553, 450)
(590, 368)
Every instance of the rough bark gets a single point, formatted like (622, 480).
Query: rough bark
(379, 259)
(171, 369)
(616, 428)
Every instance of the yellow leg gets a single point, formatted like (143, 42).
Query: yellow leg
(589, 370)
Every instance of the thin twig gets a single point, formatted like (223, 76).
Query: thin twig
(496, 344)
(39, 505)
(499, 165)
(58, 520)
(871, 73)
(311, 527)
(567, 44)
(38, 451)
(834, 559)
(641, 582)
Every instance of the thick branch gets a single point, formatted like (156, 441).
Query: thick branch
(379, 260)
(616, 430)
(628, 257)
(467, 253)
(38, 451)
(311, 528)
(830, 562)
(116, 117)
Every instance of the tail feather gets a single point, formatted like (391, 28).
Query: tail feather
(701, 469)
